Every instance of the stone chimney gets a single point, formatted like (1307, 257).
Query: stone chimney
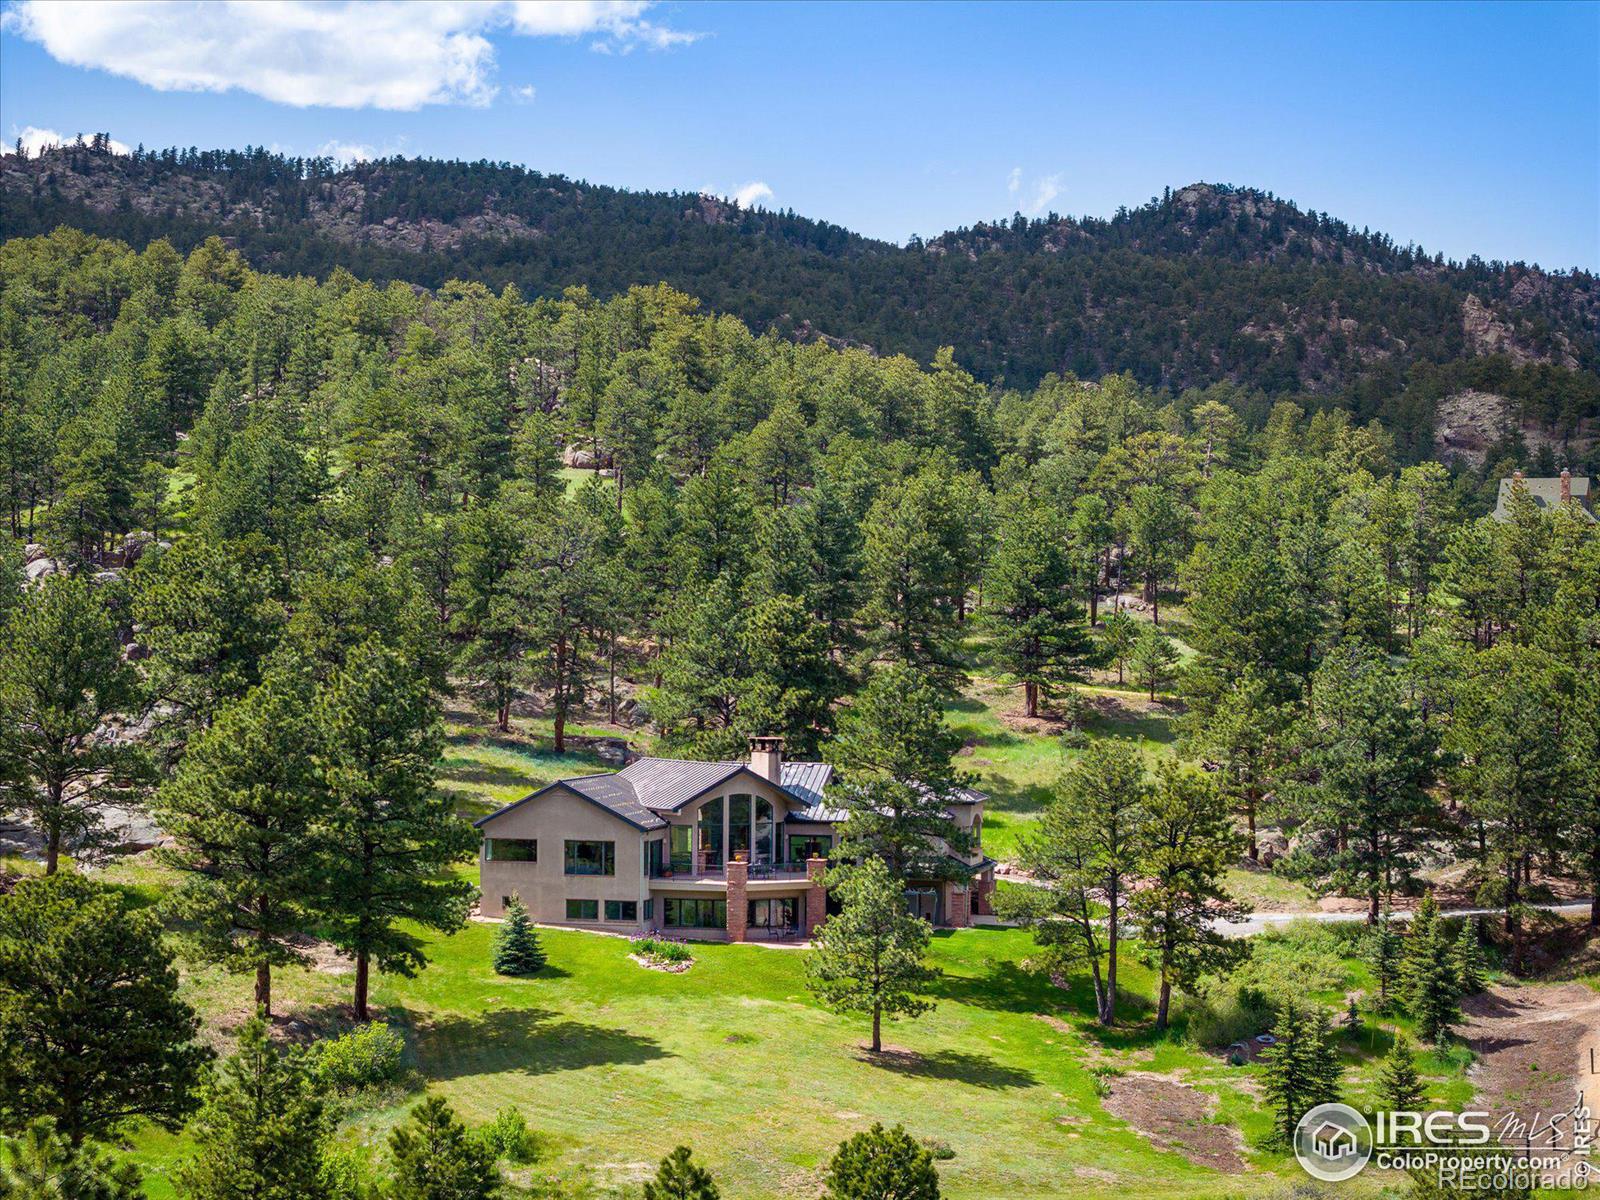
(1566, 486)
(766, 758)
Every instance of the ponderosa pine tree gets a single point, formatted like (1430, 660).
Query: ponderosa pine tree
(1368, 761)
(881, 1164)
(1158, 529)
(436, 1158)
(679, 1177)
(516, 943)
(1244, 736)
(385, 835)
(1301, 1068)
(41, 1164)
(94, 1030)
(1085, 856)
(1029, 604)
(1153, 661)
(1119, 633)
(262, 1129)
(62, 679)
(868, 957)
(1187, 844)
(1399, 1087)
(893, 750)
(242, 812)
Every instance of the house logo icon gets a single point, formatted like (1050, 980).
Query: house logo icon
(1333, 1142)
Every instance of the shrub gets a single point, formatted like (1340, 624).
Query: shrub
(882, 1164)
(509, 1137)
(362, 1058)
(661, 950)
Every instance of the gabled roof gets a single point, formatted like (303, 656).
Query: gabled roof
(648, 787)
(1545, 491)
(667, 784)
(603, 791)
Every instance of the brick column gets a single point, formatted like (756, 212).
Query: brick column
(960, 913)
(816, 894)
(983, 896)
(738, 908)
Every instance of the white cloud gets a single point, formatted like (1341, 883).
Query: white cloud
(1014, 181)
(753, 193)
(346, 152)
(1045, 191)
(525, 93)
(35, 139)
(378, 54)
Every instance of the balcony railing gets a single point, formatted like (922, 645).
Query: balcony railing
(683, 867)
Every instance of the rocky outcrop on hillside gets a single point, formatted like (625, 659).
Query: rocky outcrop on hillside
(1470, 423)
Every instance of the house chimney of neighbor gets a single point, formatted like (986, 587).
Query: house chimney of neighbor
(1566, 485)
(766, 758)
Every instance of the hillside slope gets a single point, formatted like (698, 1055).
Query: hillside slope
(1207, 284)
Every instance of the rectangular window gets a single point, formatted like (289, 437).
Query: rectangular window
(809, 845)
(696, 914)
(711, 832)
(622, 910)
(783, 913)
(682, 858)
(510, 849)
(649, 910)
(591, 858)
(583, 910)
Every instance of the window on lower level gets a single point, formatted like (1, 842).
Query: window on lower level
(583, 910)
(622, 910)
(696, 914)
(511, 849)
(591, 858)
(649, 910)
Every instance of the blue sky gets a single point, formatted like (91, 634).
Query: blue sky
(1471, 129)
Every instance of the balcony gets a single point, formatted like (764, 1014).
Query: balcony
(693, 867)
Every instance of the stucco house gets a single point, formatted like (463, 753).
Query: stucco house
(720, 850)
(1548, 492)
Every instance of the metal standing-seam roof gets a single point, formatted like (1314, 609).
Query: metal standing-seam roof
(670, 783)
(806, 782)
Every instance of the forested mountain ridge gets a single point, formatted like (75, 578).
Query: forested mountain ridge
(1205, 285)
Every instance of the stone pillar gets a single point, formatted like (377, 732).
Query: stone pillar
(816, 895)
(960, 912)
(738, 907)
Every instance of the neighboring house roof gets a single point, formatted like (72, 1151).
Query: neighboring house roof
(648, 787)
(1546, 493)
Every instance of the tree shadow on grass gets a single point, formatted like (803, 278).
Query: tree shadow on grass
(457, 770)
(955, 1065)
(525, 1041)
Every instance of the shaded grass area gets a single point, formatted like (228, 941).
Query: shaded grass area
(486, 770)
(1018, 762)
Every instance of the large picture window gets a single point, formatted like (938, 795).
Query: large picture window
(591, 858)
(510, 850)
(711, 832)
(696, 914)
(583, 910)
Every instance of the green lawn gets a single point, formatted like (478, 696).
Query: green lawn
(1018, 762)
(613, 1065)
